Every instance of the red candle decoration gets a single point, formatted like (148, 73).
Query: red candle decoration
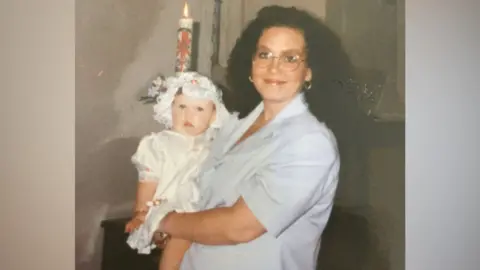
(184, 42)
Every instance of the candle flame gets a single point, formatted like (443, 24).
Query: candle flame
(185, 10)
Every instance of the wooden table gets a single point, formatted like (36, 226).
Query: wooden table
(348, 243)
(117, 255)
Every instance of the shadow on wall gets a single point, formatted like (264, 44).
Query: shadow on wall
(108, 34)
(349, 243)
(110, 189)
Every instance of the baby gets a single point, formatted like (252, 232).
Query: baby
(191, 108)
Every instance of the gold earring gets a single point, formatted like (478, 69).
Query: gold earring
(307, 85)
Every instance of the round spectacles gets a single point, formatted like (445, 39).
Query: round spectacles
(286, 62)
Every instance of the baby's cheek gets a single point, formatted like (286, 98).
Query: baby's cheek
(204, 119)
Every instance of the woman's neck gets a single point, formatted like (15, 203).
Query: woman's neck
(271, 109)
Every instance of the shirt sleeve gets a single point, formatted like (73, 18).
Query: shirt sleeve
(297, 177)
(149, 158)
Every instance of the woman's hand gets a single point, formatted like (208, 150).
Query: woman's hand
(135, 222)
(160, 239)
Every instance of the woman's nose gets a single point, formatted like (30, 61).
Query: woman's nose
(273, 65)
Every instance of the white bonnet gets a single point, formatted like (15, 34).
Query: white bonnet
(193, 85)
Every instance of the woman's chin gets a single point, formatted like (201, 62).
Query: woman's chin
(277, 98)
(277, 95)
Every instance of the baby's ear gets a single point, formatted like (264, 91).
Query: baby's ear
(214, 115)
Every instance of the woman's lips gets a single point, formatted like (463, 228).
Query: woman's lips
(274, 82)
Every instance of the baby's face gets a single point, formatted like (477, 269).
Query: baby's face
(192, 116)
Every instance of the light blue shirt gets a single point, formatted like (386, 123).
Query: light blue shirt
(287, 173)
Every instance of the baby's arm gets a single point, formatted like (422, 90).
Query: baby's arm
(173, 253)
(145, 192)
(148, 160)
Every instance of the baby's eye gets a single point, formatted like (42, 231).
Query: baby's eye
(182, 106)
(200, 109)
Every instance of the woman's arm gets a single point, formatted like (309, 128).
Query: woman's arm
(219, 226)
(172, 255)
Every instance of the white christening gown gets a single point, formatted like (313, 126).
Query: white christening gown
(173, 161)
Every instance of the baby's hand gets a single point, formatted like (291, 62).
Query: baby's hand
(135, 222)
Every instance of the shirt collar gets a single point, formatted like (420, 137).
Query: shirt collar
(295, 107)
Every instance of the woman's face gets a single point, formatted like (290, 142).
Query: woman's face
(279, 68)
(192, 116)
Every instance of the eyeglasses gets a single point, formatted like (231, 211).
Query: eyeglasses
(286, 62)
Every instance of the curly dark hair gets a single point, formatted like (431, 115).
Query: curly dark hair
(325, 55)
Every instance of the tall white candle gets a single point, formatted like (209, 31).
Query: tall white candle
(184, 42)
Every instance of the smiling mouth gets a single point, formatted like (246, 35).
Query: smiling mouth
(274, 82)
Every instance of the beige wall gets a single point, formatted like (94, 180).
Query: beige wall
(120, 46)
(374, 184)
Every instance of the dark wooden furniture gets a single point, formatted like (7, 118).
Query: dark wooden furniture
(117, 255)
(347, 244)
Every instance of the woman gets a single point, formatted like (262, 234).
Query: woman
(268, 186)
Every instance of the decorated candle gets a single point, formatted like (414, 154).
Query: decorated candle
(184, 42)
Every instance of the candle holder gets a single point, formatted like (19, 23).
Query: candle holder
(195, 46)
(186, 54)
(183, 61)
